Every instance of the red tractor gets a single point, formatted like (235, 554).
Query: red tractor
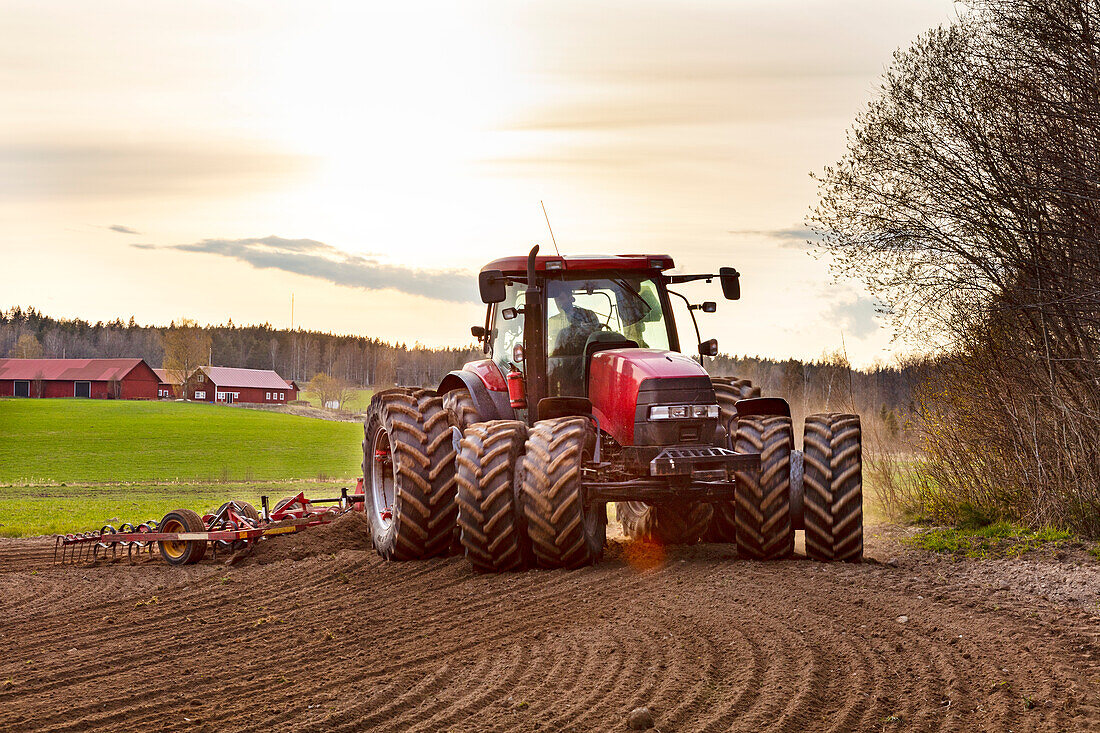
(584, 399)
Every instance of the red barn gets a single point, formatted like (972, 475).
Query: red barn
(228, 384)
(127, 379)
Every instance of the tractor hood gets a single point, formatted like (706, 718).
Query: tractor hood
(623, 383)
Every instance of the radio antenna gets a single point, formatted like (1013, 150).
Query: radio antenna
(549, 227)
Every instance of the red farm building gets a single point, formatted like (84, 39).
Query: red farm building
(228, 384)
(168, 387)
(126, 379)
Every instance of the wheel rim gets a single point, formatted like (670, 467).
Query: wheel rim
(173, 548)
(382, 478)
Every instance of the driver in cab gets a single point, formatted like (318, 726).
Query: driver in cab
(571, 326)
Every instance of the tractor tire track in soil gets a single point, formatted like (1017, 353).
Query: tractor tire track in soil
(315, 632)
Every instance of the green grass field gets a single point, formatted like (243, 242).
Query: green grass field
(358, 403)
(75, 464)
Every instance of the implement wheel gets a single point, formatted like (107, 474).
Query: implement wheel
(460, 404)
(298, 511)
(492, 528)
(833, 487)
(564, 532)
(674, 523)
(409, 475)
(182, 552)
(762, 500)
(244, 509)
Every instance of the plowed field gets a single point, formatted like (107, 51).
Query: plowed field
(307, 636)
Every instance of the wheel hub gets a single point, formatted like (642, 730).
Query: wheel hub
(382, 477)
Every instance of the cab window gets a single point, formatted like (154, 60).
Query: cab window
(579, 307)
(507, 333)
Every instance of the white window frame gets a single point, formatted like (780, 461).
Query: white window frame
(268, 396)
(200, 395)
(282, 396)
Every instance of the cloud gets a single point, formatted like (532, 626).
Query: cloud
(315, 259)
(854, 315)
(791, 237)
(122, 230)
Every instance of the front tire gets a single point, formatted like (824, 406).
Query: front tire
(833, 486)
(490, 522)
(408, 475)
(762, 498)
(674, 523)
(564, 532)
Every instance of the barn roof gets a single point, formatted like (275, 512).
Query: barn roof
(82, 370)
(233, 377)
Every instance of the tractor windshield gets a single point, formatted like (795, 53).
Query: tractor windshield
(579, 307)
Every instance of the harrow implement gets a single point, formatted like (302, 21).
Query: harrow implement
(183, 537)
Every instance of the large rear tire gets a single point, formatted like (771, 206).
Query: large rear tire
(674, 523)
(564, 532)
(762, 498)
(728, 390)
(461, 406)
(408, 474)
(491, 524)
(833, 486)
(182, 552)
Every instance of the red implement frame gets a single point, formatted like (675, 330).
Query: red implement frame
(94, 545)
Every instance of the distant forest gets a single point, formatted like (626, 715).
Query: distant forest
(809, 386)
(297, 355)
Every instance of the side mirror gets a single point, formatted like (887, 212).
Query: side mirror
(709, 348)
(710, 306)
(478, 332)
(492, 285)
(731, 282)
(509, 313)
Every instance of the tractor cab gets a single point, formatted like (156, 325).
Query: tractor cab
(549, 317)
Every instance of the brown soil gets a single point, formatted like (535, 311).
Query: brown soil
(329, 637)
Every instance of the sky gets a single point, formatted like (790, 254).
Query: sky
(212, 160)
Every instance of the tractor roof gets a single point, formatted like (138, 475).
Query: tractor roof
(518, 264)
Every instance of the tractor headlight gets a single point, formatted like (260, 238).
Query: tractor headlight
(682, 412)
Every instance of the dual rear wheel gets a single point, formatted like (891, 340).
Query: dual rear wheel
(819, 488)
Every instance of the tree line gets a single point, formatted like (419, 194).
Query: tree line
(299, 355)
